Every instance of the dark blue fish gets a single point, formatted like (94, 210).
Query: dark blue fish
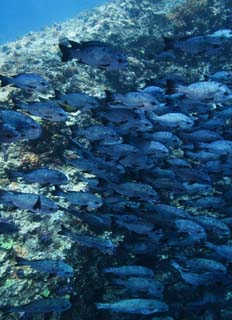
(57, 267)
(89, 241)
(75, 101)
(94, 53)
(193, 278)
(192, 45)
(28, 201)
(58, 305)
(147, 286)
(8, 134)
(26, 81)
(104, 134)
(134, 270)
(81, 198)
(135, 306)
(42, 176)
(23, 124)
(134, 223)
(223, 250)
(47, 110)
(7, 227)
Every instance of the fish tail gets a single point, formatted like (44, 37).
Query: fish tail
(117, 281)
(5, 81)
(209, 245)
(6, 309)
(17, 103)
(58, 191)
(102, 305)
(171, 86)
(11, 175)
(64, 231)
(66, 52)
(21, 261)
(168, 43)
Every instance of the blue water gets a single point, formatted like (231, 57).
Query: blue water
(18, 17)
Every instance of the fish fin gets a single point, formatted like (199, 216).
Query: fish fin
(58, 94)
(108, 94)
(206, 77)
(21, 261)
(75, 45)
(86, 44)
(103, 66)
(64, 231)
(6, 309)
(11, 175)
(5, 81)
(66, 53)
(17, 103)
(102, 305)
(168, 43)
(171, 86)
(37, 204)
(58, 191)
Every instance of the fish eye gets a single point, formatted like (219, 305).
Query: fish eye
(226, 93)
(120, 60)
(33, 126)
(43, 83)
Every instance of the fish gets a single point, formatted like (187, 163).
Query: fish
(224, 250)
(148, 286)
(57, 267)
(219, 35)
(202, 91)
(72, 102)
(204, 265)
(8, 227)
(26, 127)
(194, 229)
(136, 99)
(41, 306)
(101, 244)
(117, 151)
(221, 76)
(136, 190)
(105, 135)
(134, 223)
(137, 162)
(218, 146)
(194, 279)
(43, 176)
(137, 306)
(173, 120)
(166, 137)
(82, 198)
(47, 110)
(192, 45)
(27, 81)
(8, 134)
(213, 225)
(128, 271)
(28, 201)
(94, 53)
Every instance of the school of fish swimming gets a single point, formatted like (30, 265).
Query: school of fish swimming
(160, 159)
